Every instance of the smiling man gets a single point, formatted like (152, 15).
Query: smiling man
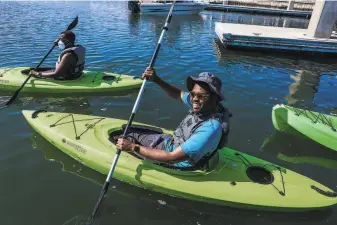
(199, 135)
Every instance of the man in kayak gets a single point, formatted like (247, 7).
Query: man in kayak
(199, 135)
(70, 63)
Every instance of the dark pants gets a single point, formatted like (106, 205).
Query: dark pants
(149, 140)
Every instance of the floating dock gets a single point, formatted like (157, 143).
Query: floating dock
(272, 38)
(258, 10)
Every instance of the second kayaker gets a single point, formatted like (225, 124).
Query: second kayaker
(195, 141)
(70, 63)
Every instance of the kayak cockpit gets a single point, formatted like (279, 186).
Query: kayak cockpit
(48, 69)
(115, 134)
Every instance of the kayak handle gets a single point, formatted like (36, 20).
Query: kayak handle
(326, 193)
(36, 113)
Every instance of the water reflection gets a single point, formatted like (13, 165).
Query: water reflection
(255, 19)
(69, 165)
(134, 23)
(301, 75)
(296, 148)
(302, 91)
(79, 105)
(154, 24)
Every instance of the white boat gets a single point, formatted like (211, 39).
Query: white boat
(163, 7)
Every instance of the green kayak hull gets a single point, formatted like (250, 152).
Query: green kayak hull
(319, 127)
(239, 180)
(90, 82)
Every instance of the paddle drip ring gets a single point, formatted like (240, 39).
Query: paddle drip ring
(260, 175)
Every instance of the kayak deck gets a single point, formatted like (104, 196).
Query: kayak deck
(235, 182)
(12, 78)
(319, 127)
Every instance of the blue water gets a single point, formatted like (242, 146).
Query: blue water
(40, 185)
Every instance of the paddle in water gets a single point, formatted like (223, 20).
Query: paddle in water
(114, 163)
(70, 27)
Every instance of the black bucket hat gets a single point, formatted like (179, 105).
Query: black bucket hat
(212, 81)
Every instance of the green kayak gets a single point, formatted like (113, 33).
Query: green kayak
(317, 126)
(90, 82)
(239, 180)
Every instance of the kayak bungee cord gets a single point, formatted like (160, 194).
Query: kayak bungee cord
(321, 117)
(70, 27)
(114, 163)
(89, 126)
(5, 71)
(93, 80)
(243, 159)
(282, 180)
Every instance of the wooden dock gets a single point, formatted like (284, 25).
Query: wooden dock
(272, 38)
(259, 10)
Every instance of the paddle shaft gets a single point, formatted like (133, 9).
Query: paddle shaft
(71, 26)
(135, 107)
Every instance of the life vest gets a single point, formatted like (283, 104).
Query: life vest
(194, 120)
(75, 72)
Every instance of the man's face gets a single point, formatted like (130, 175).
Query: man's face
(201, 99)
(64, 39)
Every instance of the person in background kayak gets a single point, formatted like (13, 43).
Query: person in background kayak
(70, 63)
(204, 130)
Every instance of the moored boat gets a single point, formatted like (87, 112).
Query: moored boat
(163, 7)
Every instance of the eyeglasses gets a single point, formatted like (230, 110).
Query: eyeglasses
(198, 95)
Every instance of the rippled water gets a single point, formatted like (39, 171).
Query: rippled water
(40, 185)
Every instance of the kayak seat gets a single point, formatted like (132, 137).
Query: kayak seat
(208, 163)
(142, 129)
(113, 136)
(212, 162)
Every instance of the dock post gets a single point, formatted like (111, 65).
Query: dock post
(291, 5)
(323, 18)
(225, 2)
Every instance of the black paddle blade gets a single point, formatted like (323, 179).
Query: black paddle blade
(3, 105)
(101, 197)
(73, 24)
